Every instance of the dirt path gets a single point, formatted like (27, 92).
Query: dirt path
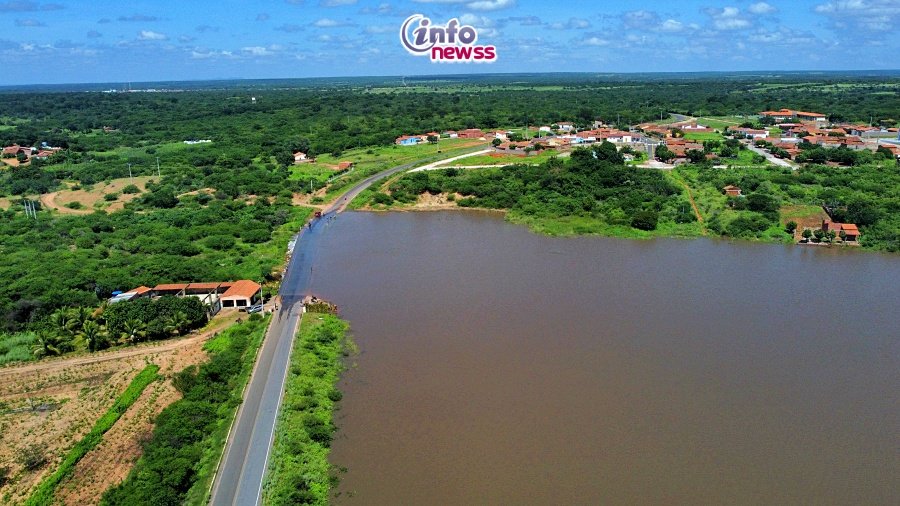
(77, 391)
(48, 201)
(693, 204)
(143, 349)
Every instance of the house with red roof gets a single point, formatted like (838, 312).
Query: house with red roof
(849, 231)
(471, 133)
(216, 295)
(790, 114)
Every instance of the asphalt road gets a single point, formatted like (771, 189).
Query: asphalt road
(770, 157)
(242, 470)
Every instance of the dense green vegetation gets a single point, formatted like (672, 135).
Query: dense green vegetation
(68, 261)
(223, 210)
(867, 195)
(43, 494)
(300, 473)
(17, 347)
(181, 456)
(593, 187)
(594, 193)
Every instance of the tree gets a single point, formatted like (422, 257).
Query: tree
(664, 154)
(177, 323)
(46, 344)
(496, 142)
(695, 155)
(762, 203)
(32, 457)
(645, 220)
(607, 151)
(134, 331)
(432, 139)
(885, 153)
(807, 233)
(93, 335)
(818, 234)
(790, 227)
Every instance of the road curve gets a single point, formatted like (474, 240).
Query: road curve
(241, 472)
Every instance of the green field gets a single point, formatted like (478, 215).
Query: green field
(376, 157)
(704, 136)
(17, 347)
(505, 159)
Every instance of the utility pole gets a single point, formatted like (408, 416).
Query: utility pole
(129, 173)
(158, 172)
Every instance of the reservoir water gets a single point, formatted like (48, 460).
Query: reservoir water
(497, 366)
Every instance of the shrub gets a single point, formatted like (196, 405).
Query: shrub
(645, 220)
(32, 456)
(219, 242)
(131, 189)
(382, 198)
(110, 197)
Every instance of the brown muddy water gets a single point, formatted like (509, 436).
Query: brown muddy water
(502, 367)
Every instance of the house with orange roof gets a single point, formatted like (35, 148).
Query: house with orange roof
(849, 230)
(216, 295)
(790, 114)
(471, 133)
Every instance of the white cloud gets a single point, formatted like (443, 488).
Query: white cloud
(877, 15)
(331, 23)
(257, 51)
(728, 18)
(151, 35)
(476, 20)
(336, 3)
(761, 8)
(490, 5)
(475, 5)
(671, 26)
(595, 41)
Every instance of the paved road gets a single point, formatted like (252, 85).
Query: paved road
(770, 157)
(241, 472)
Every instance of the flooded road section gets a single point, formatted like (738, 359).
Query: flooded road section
(503, 367)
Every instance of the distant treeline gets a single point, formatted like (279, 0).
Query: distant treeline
(326, 120)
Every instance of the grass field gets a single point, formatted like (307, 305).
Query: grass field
(381, 157)
(505, 159)
(704, 136)
(16, 347)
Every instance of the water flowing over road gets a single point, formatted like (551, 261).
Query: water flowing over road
(242, 469)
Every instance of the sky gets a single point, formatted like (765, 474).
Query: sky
(89, 41)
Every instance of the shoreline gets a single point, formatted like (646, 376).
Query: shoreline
(636, 235)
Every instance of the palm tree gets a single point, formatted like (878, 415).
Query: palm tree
(134, 331)
(94, 335)
(79, 315)
(46, 344)
(177, 323)
(63, 323)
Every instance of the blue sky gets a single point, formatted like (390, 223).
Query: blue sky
(69, 41)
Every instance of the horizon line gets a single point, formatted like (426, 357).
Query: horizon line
(471, 74)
